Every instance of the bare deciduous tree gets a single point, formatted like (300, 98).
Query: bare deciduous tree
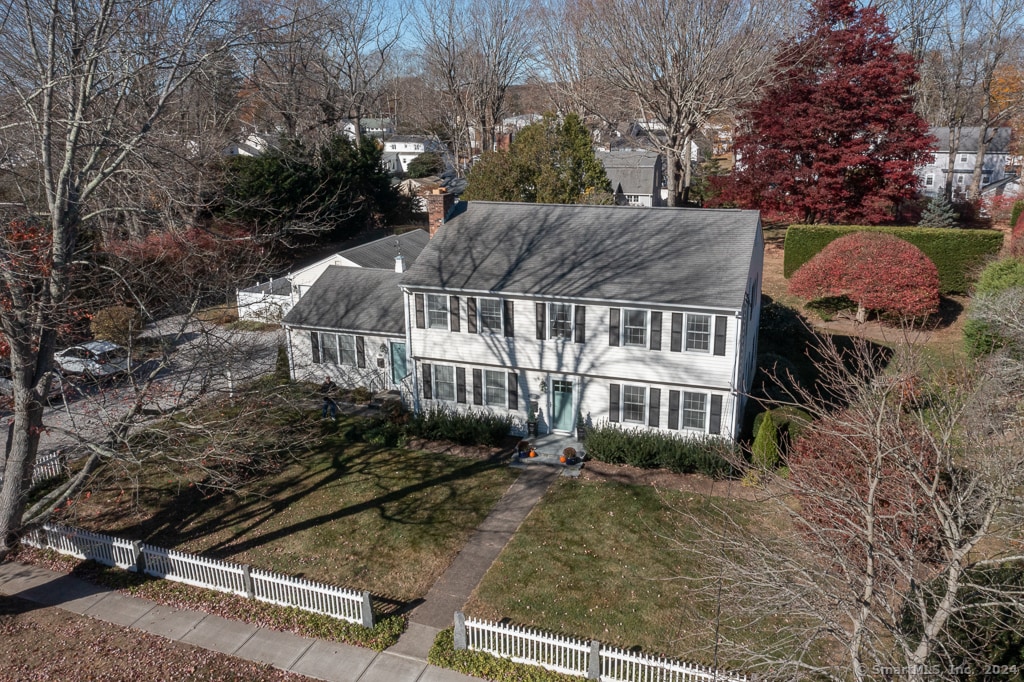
(681, 63)
(901, 504)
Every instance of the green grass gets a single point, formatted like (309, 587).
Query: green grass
(334, 509)
(602, 561)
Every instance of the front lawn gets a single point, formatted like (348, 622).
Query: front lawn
(601, 561)
(334, 509)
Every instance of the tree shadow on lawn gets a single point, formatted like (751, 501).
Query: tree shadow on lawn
(397, 482)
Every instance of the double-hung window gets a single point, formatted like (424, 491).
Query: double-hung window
(698, 333)
(494, 385)
(634, 327)
(347, 348)
(444, 382)
(329, 349)
(634, 400)
(560, 315)
(929, 180)
(490, 315)
(437, 311)
(694, 410)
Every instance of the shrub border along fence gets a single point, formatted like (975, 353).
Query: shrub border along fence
(958, 254)
(572, 656)
(223, 576)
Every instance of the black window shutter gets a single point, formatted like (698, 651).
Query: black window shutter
(428, 386)
(613, 326)
(716, 415)
(673, 410)
(478, 387)
(314, 340)
(420, 317)
(613, 403)
(513, 391)
(656, 330)
(471, 314)
(721, 323)
(654, 407)
(360, 352)
(542, 323)
(453, 312)
(508, 315)
(677, 333)
(580, 323)
(460, 384)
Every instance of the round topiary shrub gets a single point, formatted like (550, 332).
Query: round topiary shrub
(765, 451)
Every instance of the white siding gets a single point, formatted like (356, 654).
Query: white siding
(372, 376)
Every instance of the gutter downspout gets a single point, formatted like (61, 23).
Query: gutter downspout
(736, 414)
(288, 347)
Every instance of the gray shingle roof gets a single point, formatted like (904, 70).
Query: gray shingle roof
(381, 253)
(999, 142)
(692, 257)
(352, 299)
(631, 172)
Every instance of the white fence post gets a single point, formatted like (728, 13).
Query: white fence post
(367, 610)
(138, 564)
(594, 663)
(460, 631)
(250, 592)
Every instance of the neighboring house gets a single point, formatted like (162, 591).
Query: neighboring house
(351, 326)
(377, 128)
(636, 176)
(933, 175)
(253, 144)
(271, 300)
(643, 318)
(408, 147)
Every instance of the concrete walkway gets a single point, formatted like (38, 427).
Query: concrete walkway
(319, 659)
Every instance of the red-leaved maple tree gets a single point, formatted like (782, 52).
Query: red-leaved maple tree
(835, 138)
(877, 271)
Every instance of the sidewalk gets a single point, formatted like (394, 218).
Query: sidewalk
(319, 659)
(314, 658)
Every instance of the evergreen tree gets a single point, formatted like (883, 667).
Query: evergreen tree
(765, 451)
(938, 213)
(550, 161)
(835, 138)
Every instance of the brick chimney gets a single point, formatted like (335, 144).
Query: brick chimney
(439, 202)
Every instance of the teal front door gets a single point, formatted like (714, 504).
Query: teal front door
(561, 405)
(399, 368)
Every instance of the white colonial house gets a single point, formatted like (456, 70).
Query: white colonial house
(641, 317)
(376, 128)
(933, 175)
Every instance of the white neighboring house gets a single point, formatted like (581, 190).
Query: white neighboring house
(270, 301)
(405, 148)
(641, 317)
(933, 175)
(377, 128)
(253, 144)
(636, 176)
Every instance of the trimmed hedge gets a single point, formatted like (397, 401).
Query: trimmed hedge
(639, 447)
(958, 254)
(1018, 208)
(477, 427)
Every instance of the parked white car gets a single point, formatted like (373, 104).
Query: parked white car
(96, 359)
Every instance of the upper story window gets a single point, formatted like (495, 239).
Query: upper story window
(963, 158)
(634, 327)
(394, 147)
(490, 314)
(985, 178)
(560, 315)
(437, 311)
(929, 180)
(698, 333)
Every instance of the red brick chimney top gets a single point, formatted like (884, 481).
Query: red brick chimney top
(439, 203)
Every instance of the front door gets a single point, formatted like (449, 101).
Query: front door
(561, 405)
(399, 368)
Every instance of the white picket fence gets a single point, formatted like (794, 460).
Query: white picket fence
(214, 574)
(571, 656)
(47, 466)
